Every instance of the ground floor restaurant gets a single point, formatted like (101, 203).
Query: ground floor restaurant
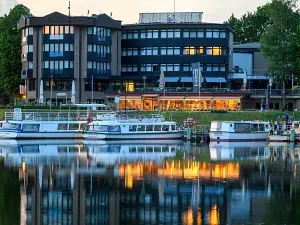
(196, 103)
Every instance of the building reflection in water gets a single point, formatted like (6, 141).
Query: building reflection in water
(74, 187)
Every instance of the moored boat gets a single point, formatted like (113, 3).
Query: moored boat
(239, 131)
(153, 127)
(46, 125)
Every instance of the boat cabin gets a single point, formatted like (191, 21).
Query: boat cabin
(240, 126)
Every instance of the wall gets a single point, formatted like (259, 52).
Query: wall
(260, 65)
(244, 61)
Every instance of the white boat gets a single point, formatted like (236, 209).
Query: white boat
(153, 127)
(112, 152)
(239, 131)
(46, 125)
(238, 150)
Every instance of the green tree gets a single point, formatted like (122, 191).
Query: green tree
(278, 41)
(251, 25)
(10, 50)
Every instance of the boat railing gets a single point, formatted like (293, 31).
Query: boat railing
(52, 116)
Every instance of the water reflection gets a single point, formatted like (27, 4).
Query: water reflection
(71, 182)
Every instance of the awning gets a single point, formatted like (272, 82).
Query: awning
(171, 98)
(260, 77)
(215, 79)
(170, 80)
(130, 98)
(186, 79)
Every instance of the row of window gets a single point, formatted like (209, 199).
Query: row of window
(100, 49)
(175, 33)
(58, 65)
(189, 50)
(58, 85)
(58, 30)
(27, 31)
(58, 47)
(27, 48)
(172, 67)
(99, 31)
(100, 66)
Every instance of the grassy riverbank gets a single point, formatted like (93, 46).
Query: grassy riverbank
(202, 117)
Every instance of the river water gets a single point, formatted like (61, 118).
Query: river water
(120, 183)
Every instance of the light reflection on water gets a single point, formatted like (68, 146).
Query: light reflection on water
(67, 182)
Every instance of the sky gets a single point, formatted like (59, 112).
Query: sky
(128, 10)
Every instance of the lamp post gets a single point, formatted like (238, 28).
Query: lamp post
(144, 79)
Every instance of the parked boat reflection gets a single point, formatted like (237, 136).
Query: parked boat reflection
(236, 150)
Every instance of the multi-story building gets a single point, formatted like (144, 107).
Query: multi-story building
(106, 60)
(172, 42)
(59, 49)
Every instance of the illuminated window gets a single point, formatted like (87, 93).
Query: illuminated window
(46, 30)
(52, 30)
(200, 50)
(129, 86)
(67, 29)
(189, 51)
(56, 29)
(61, 30)
(71, 30)
(215, 51)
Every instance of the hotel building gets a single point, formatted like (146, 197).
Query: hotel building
(107, 59)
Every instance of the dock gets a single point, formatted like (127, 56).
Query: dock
(197, 132)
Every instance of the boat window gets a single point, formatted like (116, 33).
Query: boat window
(132, 128)
(141, 127)
(132, 149)
(10, 126)
(254, 127)
(62, 126)
(242, 127)
(165, 128)
(149, 128)
(165, 148)
(62, 149)
(74, 126)
(30, 149)
(73, 149)
(114, 128)
(157, 128)
(157, 149)
(141, 149)
(31, 127)
(296, 125)
(149, 149)
(261, 127)
(173, 127)
(97, 128)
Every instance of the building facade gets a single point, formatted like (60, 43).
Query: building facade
(58, 50)
(95, 59)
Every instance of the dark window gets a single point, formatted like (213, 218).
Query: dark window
(242, 127)
(62, 126)
(74, 126)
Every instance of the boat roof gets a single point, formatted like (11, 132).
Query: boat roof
(86, 105)
(240, 121)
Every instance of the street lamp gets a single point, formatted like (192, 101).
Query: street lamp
(144, 79)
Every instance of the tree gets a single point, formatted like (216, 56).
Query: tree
(251, 25)
(278, 41)
(10, 50)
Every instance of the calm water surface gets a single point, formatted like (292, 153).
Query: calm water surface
(120, 183)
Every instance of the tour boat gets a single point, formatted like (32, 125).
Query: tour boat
(112, 152)
(239, 131)
(153, 127)
(239, 150)
(46, 125)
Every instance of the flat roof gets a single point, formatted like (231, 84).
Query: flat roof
(170, 17)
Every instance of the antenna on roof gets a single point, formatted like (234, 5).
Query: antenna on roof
(69, 8)
(88, 12)
(174, 9)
